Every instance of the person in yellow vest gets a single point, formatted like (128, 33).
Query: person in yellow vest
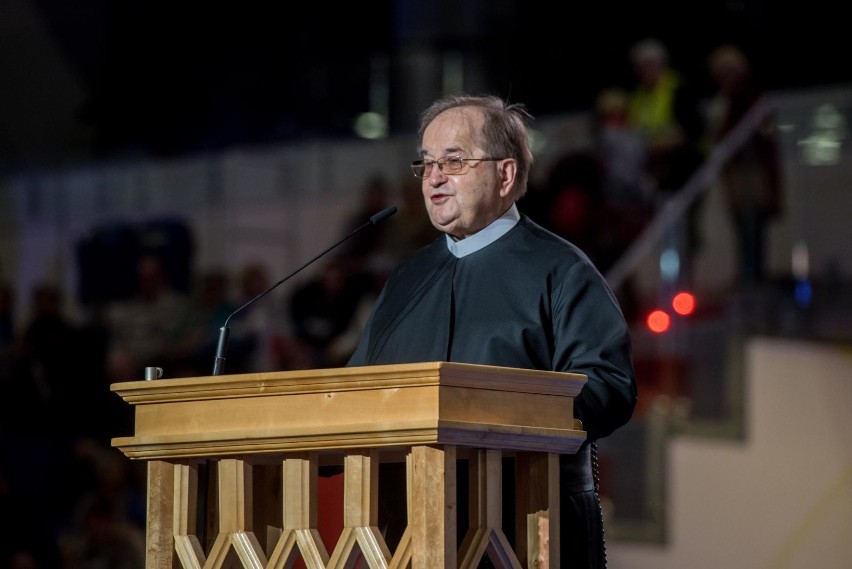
(665, 110)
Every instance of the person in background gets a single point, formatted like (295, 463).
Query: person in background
(628, 192)
(410, 229)
(7, 343)
(623, 154)
(143, 328)
(366, 248)
(495, 288)
(664, 108)
(261, 328)
(7, 317)
(323, 309)
(751, 179)
(194, 349)
(47, 389)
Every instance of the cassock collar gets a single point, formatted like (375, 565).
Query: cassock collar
(491, 233)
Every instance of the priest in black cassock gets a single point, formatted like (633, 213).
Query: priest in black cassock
(497, 289)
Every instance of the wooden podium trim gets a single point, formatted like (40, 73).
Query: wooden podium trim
(377, 406)
(448, 374)
(461, 434)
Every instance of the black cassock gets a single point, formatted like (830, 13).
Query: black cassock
(528, 300)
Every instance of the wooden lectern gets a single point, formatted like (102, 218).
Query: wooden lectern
(233, 463)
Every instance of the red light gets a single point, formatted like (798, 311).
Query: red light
(684, 303)
(658, 321)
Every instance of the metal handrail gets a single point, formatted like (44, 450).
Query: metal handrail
(701, 181)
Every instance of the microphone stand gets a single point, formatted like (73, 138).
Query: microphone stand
(224, 331)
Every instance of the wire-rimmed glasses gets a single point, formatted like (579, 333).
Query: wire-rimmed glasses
(450, 165)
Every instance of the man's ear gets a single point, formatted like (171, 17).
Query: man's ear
(507, 169)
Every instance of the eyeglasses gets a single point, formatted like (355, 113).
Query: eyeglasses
(450, 165)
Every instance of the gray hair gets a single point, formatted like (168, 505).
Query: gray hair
(649, 49)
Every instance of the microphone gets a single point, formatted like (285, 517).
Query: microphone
(224, 331)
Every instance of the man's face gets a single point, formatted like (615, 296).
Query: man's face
(649, 70)
(465, 203)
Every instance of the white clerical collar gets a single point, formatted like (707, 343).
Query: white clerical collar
(491, 233)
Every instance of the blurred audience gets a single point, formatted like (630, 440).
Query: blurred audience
(328, 312)
(105, 524)
(410, 228)
(367, 246)
(574, 193)
(323, 309)
(44, 354)
(52, 375)
(7, 319)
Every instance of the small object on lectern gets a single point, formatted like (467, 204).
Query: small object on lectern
(153, 372)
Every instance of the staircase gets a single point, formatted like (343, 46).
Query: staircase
(735, 456)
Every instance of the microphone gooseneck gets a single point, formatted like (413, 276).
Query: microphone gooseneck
(224, 331)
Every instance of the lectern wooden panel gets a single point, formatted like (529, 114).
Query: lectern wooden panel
(239, 427)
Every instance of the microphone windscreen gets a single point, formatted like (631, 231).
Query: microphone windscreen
(385, 213)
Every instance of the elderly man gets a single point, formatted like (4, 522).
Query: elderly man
(497, 289)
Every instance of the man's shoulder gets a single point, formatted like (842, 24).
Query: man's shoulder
(545, 238)
(542, 246)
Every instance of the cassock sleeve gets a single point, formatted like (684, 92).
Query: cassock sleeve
(592, 337)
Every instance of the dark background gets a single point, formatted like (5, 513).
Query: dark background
(169, 78)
